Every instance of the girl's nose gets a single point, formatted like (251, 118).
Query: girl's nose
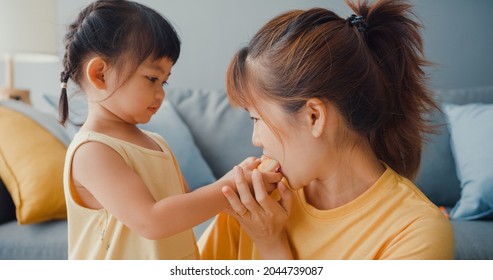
(160, 94)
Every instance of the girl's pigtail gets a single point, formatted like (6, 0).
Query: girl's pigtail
(63, 102)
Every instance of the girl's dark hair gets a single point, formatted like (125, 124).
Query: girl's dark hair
(124, 33)
(369, 66)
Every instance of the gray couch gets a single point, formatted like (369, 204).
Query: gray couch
(223, 137)
(438, 177)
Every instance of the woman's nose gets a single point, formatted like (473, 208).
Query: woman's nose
(255, 138)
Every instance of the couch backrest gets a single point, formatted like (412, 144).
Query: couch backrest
(223, 134)
(437, 177)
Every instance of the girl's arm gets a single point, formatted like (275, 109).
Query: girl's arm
(262, 217)
(117, 188)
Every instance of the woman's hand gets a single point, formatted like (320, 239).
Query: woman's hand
(262, 217)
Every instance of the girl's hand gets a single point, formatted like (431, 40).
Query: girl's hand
(262, 217)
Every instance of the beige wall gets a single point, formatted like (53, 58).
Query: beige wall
(457, 35)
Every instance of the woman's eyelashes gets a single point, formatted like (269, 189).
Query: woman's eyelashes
(254, 119)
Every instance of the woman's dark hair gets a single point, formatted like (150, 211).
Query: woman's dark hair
(369, 66)
(124, 33)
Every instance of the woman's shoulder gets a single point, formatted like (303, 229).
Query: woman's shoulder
(408, 201)
(419, 225)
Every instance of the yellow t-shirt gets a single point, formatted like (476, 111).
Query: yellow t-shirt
(96, 234)
(391, 220)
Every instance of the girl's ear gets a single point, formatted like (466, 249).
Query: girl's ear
(316, 116)
(95, 71)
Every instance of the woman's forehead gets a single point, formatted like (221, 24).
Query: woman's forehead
(267, 108)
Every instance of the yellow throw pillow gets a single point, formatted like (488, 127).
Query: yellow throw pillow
(31, 167)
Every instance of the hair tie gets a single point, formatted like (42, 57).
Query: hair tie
(359, 22)
(63, 85)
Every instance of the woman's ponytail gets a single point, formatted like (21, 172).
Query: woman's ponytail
(395, 45)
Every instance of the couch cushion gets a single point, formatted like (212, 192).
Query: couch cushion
(223, 134)
(46, 240)
(471, 132)
(437, 175)
(31, 162)
(473, 240)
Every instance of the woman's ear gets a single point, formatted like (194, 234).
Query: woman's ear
(316, 114)
(95, 71)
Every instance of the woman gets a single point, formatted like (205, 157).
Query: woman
(338, 102)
